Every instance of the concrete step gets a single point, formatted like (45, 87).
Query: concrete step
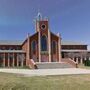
(53, 65)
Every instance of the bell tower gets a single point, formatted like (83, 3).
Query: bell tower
(41, 23)
(43, 38)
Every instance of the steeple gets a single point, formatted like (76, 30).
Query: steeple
(39, 16)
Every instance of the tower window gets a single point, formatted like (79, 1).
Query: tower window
(43, 43)
(43, 26)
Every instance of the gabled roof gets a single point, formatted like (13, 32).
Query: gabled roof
(54, 34)
(10, 42)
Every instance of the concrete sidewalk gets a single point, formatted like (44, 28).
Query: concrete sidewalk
(44, 72)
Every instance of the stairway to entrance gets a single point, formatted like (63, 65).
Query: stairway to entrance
(53, 65)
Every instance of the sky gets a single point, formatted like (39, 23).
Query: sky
(71, 18)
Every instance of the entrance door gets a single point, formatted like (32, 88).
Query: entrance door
(44, 58)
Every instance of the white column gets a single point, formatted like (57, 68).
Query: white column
(17, 60)
(85, 58)
(22, 60)
(81, 60)
(4, 60)
(49, 45)
(22, 63)
(77, 60)
(13, 59)
(8, 61)
(39, 45)
(28, 48)
(59, 47)
(39, 40)
(89, 58)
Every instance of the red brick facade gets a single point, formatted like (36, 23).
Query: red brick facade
(44, 54)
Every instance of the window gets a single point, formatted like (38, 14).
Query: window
(54, 47)
(33, 47)
(43, 43)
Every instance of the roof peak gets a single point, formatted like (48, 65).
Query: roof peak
(39, 17)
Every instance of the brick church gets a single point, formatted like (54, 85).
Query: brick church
(42, 47)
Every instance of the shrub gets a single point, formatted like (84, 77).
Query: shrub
(87, 62)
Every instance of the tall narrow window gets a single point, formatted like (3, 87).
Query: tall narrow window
(54, 47)
(43, 43)
(33, 47)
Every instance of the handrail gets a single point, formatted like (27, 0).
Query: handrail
(32, 64)
(70, 61)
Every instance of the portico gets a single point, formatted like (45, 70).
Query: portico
(78, 56)
(12, 58)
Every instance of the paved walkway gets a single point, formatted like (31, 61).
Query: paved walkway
(43, 72)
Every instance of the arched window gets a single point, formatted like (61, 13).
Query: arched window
(43, 43)
(54, 47)
(33, 47)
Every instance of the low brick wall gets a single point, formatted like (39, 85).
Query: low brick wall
(70, 61)
(31, 64)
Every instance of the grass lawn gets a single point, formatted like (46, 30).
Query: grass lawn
(70, 82)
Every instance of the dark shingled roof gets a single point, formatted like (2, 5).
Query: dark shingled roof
(18, 42)
(71, 43)
(10, 42)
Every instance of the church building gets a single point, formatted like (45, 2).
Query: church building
(42, 47)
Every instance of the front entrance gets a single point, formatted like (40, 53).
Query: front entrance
(44, 58)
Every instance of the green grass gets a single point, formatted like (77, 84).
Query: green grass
(70, 82)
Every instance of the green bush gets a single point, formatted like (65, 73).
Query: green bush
(87, 62)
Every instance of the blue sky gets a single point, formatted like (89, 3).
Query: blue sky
(71, 18)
